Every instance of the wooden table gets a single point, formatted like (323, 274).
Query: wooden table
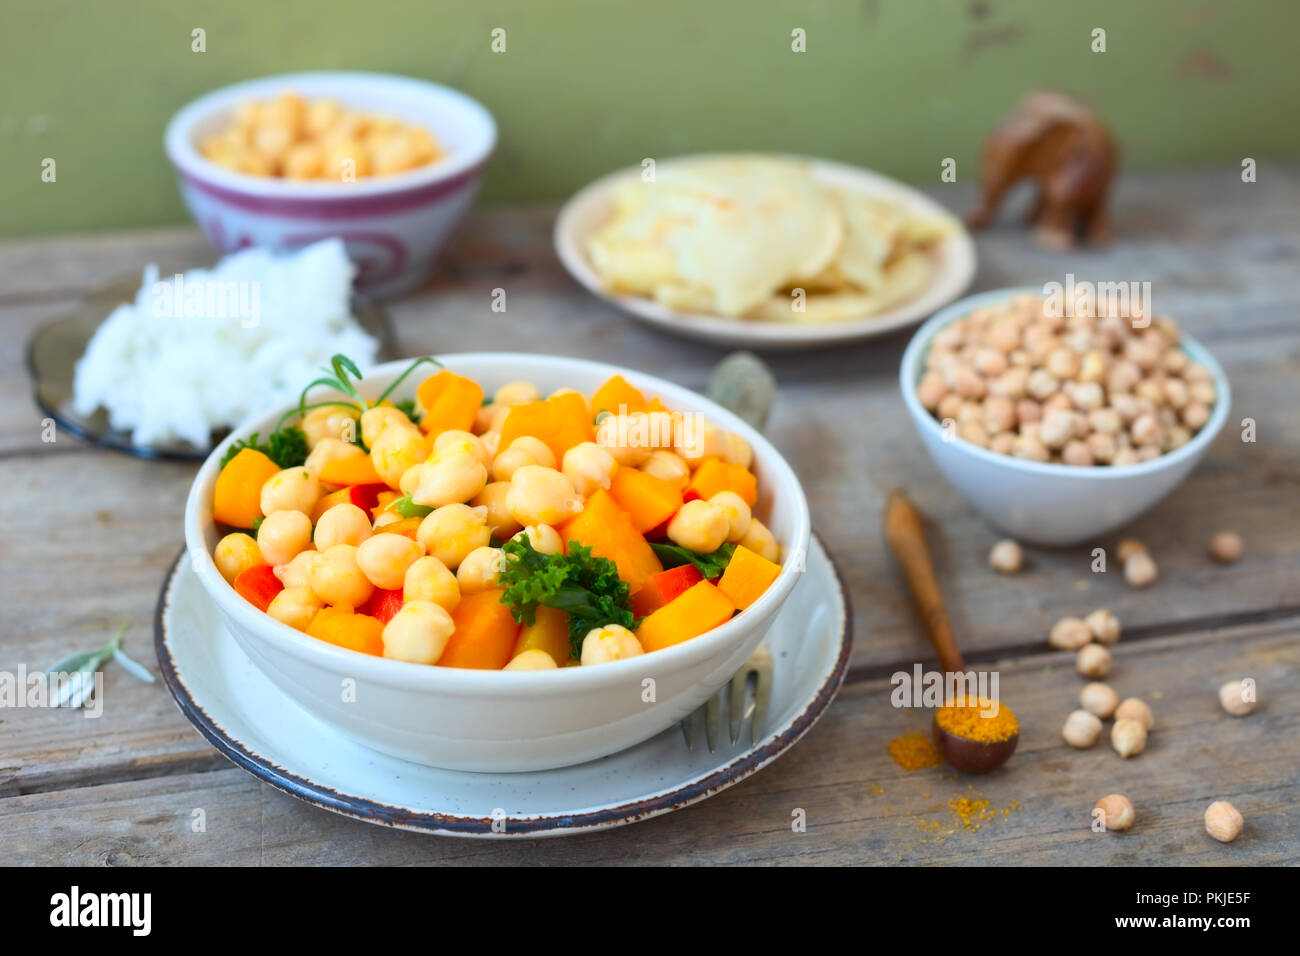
(88, 534)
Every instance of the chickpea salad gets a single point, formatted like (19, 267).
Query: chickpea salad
(508, 531)
(1080, 388)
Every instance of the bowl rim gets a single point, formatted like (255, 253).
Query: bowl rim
(185, 157)
(467, 682)
(918, 347)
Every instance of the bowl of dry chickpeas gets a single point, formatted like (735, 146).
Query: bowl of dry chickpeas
(494, 561)
(1060, 421)
(390, 164)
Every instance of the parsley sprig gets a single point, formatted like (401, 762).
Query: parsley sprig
(583, 585)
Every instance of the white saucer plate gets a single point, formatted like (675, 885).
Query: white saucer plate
(248, 719)
(954, 261)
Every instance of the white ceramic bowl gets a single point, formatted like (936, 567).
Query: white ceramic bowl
(1043, 503)
(394, 226)
(497, 720)
(953, 259)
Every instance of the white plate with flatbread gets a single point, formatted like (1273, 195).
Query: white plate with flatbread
(855, 256)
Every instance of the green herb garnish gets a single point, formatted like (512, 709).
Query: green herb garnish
(584, 586)
(407, 508)
(407, 407)
(286, 446)
(709, 565)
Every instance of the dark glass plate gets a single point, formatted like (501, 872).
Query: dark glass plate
(53, 351)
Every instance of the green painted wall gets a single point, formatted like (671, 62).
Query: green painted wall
(586, 87)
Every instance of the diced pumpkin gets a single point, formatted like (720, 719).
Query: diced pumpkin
(346, 628)
(608, 530)
(385, 501)
(237, 496)
(324, 503)
(716, 475)
(485, 632)
(561, 421)
(617, 395)
(351, 470)
(450, 402)
(258, 586)
(650, 501)
(549, 632)
(655, 405)
(747, 576)
(664, 587)
(382, 604)
(699, 609)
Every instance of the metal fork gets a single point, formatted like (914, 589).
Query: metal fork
(759, 665)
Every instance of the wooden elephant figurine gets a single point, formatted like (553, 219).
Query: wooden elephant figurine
(1062, 144)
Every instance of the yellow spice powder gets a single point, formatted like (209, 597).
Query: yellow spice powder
(914, 750)
(965, 717)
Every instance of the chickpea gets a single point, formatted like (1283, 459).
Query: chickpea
(295, 606)
(1128, 547)
(543, 538)
(1069, 634)
(500, 519)
(283, 535)
(491, 442)
(1140, 571)
(1058, 428)
(626, 438)
(294, 489)
(700, 439)
(375, 421)
(1081, 729)
(296, 573)
(533, 659)
(303, 161)
(1131, 708)
(409, 483)
(384, 559)
(479, 570)
(1093, 661)
(1077, 453)
(1237, 698)
(1116, 812)
(1223, 821)
(450, 477)
(525, 450)
(1128, 737)
(428, 579)
(395, 450)
(336, 578)
(668, 466)
(737, 511)
(540, 495)
(464, 441)
(610, 643)
(418, 633)
(589, 467)
(342, 524)
(1004, 443)
(451, 532)
(761, 541)
(235, 553)
(329, 421)
(699, 526)
(949, 406)
(1006, 556)
(1098, 699)
(516, 393)
(1226, 547)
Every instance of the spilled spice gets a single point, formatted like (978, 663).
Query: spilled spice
(914, 750)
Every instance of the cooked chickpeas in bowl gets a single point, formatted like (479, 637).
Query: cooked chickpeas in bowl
(1060, 427)
(428, 592)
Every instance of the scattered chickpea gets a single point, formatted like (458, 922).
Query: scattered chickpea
(1069, 634)
(1081, 729)
(1226, 547)
(1128, 737)
(1103, 625)
(1140, 571)
(1116, 811)
(1093, 661)
(1235, 700)
(1098, 699)
(1128, 547)
(1223, 821)
(1006, 556)
(1133, 708)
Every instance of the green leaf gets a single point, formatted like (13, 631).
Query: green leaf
(407, 508)
(710, 565)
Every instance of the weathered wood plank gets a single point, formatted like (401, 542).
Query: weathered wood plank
(860, 807)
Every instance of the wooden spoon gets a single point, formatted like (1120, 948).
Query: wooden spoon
(907, 539)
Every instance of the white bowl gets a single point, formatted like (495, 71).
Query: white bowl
(393, 226)
(953, 259)
(498, 720)
(1044, 503)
